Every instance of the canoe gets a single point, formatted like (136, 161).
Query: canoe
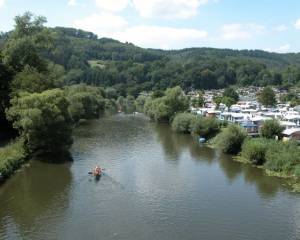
(97, 176)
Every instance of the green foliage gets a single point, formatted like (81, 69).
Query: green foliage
(231, 93)
(205, 127)
(110, 105)
(231, 139)
(163, 109)
(157, 94)
(198, 101)
(271, 129)
(297, 170)
(28, 24)
(277, 156)
(254, 150)
(176, 100)
(217, 100)
(30, 80)
(283, 157)
(5, 81)
(85, 102)
(27, 42)
(228, 101)
(21, 52)
(158, 110)
(292, 98)
(11, 157)
(182, 122)
(288, 97)
(267, 97)
(43, 120)
(111, 93)
(295, 102)
(140, 103)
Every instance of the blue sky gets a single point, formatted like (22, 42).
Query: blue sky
(272, 25)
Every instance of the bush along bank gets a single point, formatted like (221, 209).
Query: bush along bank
(195, 125)
(12, 156)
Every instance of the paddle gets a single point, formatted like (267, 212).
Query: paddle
(103, 169)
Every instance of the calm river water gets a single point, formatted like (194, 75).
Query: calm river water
(158, 185)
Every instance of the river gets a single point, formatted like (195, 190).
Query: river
(157, 185)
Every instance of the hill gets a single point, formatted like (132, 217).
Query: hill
(131, 69)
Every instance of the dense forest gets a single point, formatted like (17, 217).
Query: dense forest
(130, 69)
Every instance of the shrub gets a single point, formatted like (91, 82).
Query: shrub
(271, 128)
(297, 170)
(182, 122)
(140, 103)
(11, 157)
(254, 150)
(163, 109)
(231, 139)
(282, 157)
(205, 127)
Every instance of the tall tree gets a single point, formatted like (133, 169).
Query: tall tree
(231, 93)
(267, 97)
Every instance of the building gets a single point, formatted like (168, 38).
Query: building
(291, 134)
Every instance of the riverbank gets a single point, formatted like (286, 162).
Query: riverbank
(12, 156)
(276, 158)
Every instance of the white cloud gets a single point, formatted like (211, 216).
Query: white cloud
(297, 24)
(2, 3)
(72, 3)
(116, 27)
(281, 28)
(160, 37)
(112, 5)
(282, 49)
(239, 31)
(168, 8)
(103, 24)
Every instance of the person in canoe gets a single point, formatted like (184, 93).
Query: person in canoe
(97, 171)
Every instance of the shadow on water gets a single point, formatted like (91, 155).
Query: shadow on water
(34, 194)
(173, 144)
(57, 158)
(267, 186)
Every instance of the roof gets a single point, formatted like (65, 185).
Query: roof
(290, 117)
(213, 111)
(260, 118)
(238, 115)
(291, 131)
(248, 124)
(286, 123)
(250, 110)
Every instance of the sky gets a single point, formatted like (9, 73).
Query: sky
(271, 25)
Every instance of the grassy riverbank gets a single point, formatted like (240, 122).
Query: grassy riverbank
(12, 156)
(276, 158)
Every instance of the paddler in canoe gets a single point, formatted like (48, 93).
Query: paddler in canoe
(97, 171)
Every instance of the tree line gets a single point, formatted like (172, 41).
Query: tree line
(129, 69)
